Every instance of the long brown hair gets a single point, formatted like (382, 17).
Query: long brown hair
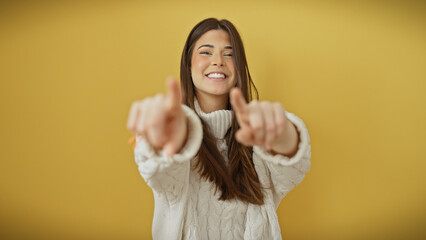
(239, 179)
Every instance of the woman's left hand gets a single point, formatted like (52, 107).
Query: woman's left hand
(264, 123)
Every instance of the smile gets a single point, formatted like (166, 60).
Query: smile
(216, 76)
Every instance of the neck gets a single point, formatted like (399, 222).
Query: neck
(210, 103)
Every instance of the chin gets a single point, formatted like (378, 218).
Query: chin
(221, 93)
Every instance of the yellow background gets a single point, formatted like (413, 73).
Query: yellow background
(354, 72)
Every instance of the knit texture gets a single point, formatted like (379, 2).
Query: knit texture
(187, 207)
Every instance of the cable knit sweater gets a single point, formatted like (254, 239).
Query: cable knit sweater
(187, 207)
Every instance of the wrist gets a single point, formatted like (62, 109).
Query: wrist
(287, 145)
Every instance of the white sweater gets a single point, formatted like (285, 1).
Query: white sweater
(186, 206)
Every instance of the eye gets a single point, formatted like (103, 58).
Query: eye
(228, 54)
(205, 53)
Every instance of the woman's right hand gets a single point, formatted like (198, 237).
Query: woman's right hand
(160, 120)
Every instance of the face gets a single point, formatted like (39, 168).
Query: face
(212, 65)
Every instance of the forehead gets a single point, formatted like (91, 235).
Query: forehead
(214, 37)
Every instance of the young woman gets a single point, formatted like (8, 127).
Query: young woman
(217, 162)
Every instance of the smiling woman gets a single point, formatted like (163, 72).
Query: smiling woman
(219, 164)
(212, 68)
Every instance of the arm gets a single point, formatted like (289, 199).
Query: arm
(287, 145)
(166, 175)
(286, 172)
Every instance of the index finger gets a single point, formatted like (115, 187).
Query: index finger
(239, 104)
(237, 101)
(173, 93)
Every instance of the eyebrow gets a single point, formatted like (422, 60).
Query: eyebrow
(211, 46)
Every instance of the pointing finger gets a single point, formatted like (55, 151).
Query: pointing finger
(173, 93)
(238, 101)
(239, 104)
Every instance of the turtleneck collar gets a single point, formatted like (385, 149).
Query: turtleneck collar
(218, 121)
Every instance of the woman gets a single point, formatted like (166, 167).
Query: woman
(218, 166)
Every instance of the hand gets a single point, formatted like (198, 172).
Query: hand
(160, 120)
(263, 124)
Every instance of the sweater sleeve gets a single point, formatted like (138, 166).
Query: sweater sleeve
(166, 175)
(286, 173)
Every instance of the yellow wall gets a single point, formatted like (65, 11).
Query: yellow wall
(355, 72)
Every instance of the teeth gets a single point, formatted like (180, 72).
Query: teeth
(216, 75)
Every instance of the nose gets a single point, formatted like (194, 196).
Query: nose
(217, 60)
